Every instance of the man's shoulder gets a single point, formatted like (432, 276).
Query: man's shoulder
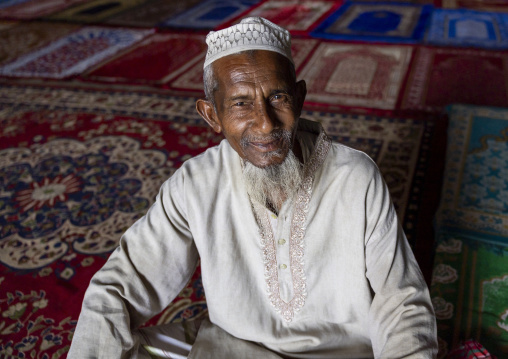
(348, 157)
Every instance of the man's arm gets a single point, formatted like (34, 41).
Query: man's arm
(155, 259)
(402, 321)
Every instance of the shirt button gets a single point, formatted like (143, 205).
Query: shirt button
(283, 266)
(282, 241)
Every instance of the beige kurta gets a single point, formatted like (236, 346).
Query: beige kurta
(332, 276)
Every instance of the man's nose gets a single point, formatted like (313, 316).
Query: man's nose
(265, 120)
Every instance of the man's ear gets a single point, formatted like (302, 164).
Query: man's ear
(301, 92)
(206, 109)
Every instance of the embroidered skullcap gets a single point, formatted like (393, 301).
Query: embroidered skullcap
(252, 33)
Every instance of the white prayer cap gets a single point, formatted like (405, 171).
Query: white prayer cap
(252, 33)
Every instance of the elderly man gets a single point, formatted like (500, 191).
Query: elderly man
(302, 254)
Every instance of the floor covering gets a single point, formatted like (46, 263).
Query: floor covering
(97, 109)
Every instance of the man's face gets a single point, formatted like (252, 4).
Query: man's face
(257, 105)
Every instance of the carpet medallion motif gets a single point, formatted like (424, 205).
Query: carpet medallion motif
(356, 75)
(74, 53)
(468, 28)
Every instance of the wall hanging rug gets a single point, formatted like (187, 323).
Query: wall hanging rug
(94, 11)
(468, 28)
(74, 53)
(380, 21)
(37, 8)
(443, 76)
(209, 14)
(156, 60)
(192, 78)
(470, 280)
(151, 13)
(22, 38)
(297, 17)
(356, 75)
(79, 166)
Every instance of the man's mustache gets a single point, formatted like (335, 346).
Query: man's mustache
(273, 136)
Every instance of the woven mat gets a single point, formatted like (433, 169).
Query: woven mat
(209, 14)
(156, 60)
(443, 76)
(25, 37)
(298, 17)
(356, 75)
(74, 53)
(151, 13)
(37, 8)
(80, 166)
(468, 28)
(379, 21)
(481, 5)
(94, 11)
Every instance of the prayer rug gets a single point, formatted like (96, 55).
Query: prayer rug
(7, 3)
(356, 75)
(151, 13)
(37, 8)
(481, 5)
(443, 76)
(74, 53)
(209, 14)
(298, 17)
(469, 290)
(475, 187)
(380, 21)
(157, 59)
(192, 79)
(94, 11)
(25, 37)
(468, 28)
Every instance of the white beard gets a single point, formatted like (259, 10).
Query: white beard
(274, 184)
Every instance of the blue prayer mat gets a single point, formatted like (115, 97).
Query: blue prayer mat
(373, 21)
(209, 14)
(474, 199)
(469, 28)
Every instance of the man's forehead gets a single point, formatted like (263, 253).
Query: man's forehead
(253, 66)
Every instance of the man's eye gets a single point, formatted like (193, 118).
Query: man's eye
(239, 104)
(278, 97)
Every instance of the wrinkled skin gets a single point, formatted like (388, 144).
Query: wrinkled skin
(258, 105)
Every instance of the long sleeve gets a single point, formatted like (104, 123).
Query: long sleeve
(401, 318)
(155, 259)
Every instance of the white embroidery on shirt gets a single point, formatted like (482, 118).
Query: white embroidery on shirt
(296, 240)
